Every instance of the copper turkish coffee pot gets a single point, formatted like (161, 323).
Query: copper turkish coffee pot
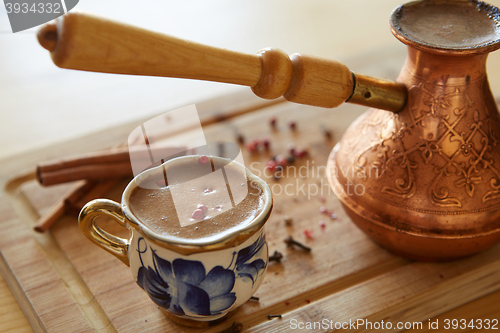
(427, 154)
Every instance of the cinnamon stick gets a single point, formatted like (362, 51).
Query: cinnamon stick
(74, 200)
(113, 163)
(95, 192)
(88, 172)
(99, 173)
(113, 155)
(59, 208)
(47, 220)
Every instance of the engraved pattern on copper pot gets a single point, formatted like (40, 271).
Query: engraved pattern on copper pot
(431, 172)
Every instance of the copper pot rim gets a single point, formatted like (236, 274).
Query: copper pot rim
(491, 11)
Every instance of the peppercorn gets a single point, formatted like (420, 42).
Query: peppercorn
(203, 159)
(273, 121)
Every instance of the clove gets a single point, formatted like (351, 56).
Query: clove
(273, 122)
(277, 256)
(290, 242)
(240, 138)
(326, 132)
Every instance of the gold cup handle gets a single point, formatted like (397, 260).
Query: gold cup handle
(102, 207)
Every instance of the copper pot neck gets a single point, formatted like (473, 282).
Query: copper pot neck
(444, 69)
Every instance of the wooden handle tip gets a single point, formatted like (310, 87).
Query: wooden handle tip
(47, 36)
(39, 229)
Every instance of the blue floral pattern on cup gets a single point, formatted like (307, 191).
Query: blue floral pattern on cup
(251, 270)
(184, 288)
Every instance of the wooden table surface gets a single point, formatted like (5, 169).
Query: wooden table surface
(41, 104)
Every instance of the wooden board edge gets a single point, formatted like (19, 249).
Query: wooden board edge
(83, 299)
(21, 298)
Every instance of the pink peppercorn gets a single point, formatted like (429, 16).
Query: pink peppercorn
(308, 233)
(281, 160)
(203, 159)
(161, 183)
(300, 152)
(325, 211)
(198, 215)
(322, 225)
(253, 145)
(292, 125)
(203, 208)
(271, 165)
(265, 143)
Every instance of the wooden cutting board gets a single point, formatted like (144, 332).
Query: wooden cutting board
(65, 284)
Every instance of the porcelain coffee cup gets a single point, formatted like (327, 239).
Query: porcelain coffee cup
(188, 279)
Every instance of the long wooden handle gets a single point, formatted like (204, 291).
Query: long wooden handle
(86, 42)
